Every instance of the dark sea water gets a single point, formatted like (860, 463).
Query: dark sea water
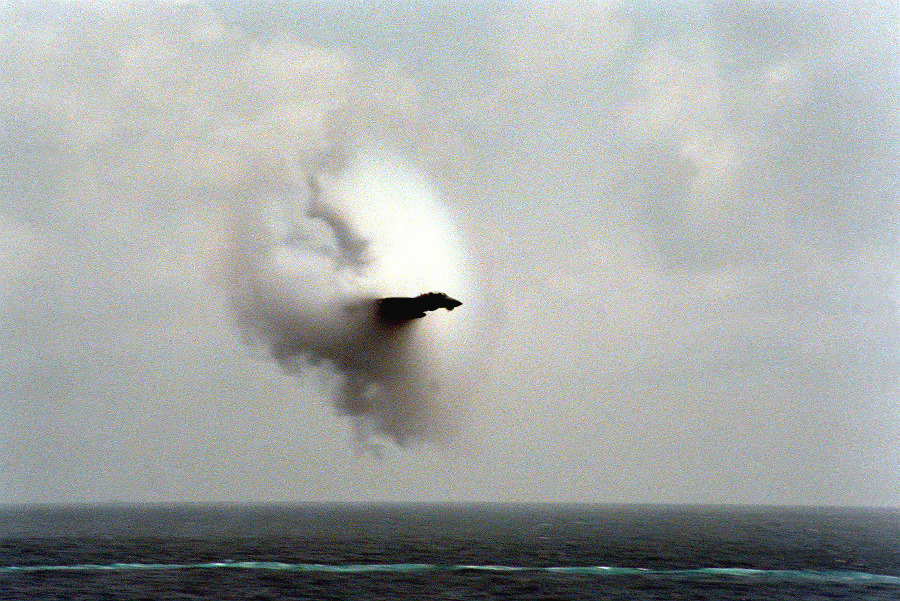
(448, 552)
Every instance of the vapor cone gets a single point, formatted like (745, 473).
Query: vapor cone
(358, 267)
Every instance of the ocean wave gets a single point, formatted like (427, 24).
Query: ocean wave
(821, 576)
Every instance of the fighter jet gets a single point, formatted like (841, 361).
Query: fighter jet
(400, 309)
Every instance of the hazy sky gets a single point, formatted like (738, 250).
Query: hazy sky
(684, 223)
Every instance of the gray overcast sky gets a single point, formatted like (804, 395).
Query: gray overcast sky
(684, 219)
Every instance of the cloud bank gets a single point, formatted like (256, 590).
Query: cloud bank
(685, 220)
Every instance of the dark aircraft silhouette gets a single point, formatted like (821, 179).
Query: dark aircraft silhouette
(391, 315)
(399, 309)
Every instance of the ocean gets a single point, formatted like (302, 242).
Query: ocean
(480, 551)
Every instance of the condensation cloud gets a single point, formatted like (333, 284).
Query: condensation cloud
(311, 253)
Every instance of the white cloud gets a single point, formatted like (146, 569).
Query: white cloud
(693, 228)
